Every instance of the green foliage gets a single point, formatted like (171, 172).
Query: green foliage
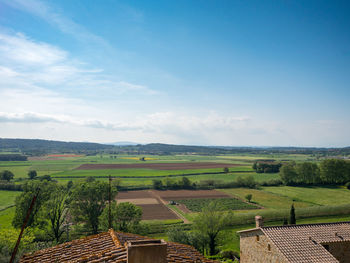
(226, 170)
(335, 171)
(288, 174)
(88, 200)
(124, 217)
(249, 197)
(32, 174)
(6, 175)
(157, 184)
(266, 167)
(192, 238)
(8, 238)
(43, 190)
(197, 204)
(331, 171)
(292, 219)
(210, 222)
(55, 209)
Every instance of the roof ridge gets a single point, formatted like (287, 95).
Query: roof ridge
(297, 225)
(114, 237)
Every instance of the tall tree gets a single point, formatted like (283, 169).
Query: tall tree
(292, 219)
(55, 210)
(88, 201)
(210, 222)
(288, 174)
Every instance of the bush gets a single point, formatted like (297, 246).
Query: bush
(347, 185)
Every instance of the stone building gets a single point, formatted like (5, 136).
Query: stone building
(117, 247)
(325, 242)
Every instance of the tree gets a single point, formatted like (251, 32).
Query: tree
(43, 191)
(308, 173)
(128, 215)
(249, 197)
(88, 200)
(32, 174)
(292, 220)
(6, 175)
(157, 184)
(335, 171)
(185, 183)
(226, 170)
(288, 174)
(210, 222)
(55, 210)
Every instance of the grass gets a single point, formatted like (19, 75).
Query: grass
(197, 204)
(6, 218)
(313, 195)
(265, 199)
(7, 198)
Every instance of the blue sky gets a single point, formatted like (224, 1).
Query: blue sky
(184, 72)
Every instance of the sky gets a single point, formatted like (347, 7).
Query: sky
(234, 73)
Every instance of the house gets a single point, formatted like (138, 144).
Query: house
(117, 247)
(325, 242)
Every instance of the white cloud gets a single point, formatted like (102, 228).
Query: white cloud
(27, 63)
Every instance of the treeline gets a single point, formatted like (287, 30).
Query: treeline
(186, 183)
(329, 171)
(266, 167)
(13, 157)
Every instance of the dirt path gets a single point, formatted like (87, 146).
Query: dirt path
(166, 203)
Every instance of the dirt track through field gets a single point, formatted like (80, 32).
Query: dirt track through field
(157, 166)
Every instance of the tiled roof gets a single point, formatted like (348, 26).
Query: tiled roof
(108, 247)
(303, 243)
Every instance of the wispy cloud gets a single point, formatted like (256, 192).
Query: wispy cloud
(25, 62)
(53, 16)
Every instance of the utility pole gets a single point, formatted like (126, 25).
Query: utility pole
(109, 203)
(24, 226)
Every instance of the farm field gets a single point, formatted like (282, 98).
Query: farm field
(157, 166)
(197, 204)
(265, 198)
(7, 198)
(313, 195)
(152, 207)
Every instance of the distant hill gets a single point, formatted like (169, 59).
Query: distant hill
(123, 143)
(39, 147)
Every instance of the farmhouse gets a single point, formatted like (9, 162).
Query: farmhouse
(325, 242)
(117, 247)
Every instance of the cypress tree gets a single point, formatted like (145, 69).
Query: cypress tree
(292, 220)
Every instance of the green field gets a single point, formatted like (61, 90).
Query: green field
(313, 195)
(7, 198)
(265, 198)
(197, 204)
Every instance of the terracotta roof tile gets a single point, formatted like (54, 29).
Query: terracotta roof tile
(303, 243)
(108, 247)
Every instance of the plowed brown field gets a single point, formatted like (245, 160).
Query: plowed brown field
(152, 207)
(156, 166)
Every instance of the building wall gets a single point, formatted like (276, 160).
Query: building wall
(340, 250)
(256, 251)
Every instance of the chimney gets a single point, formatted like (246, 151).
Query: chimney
(259, 221)
(147, 251)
